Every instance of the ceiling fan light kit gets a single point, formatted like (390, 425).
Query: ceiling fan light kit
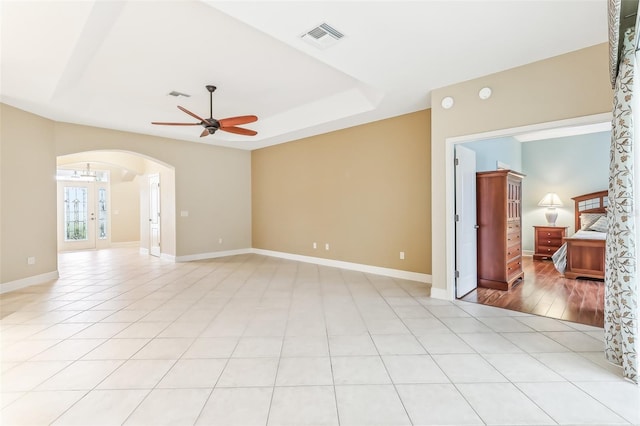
(212, 125)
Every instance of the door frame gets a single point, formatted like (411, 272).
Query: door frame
(155, 225)
(449, 293)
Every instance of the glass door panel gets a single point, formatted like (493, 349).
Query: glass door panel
(76, 213)
(102, 215)
(83, 209)
(78, 216)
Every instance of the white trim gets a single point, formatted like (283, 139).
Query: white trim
(144, 250)
(125, 244)
(440, 293)
(29, 281)
(395, 273)
(528, 253)
(450, 142)
(577, 121)
(388, 272)
(211, 255)
(169, 257)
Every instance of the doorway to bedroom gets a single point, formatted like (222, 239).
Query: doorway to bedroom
(567, 162)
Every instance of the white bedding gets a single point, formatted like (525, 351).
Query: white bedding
(590, 235)
(560, 257)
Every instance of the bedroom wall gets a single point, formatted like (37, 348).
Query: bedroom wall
(506, 150)
(563, 87)
(363, 190)
(568, 166)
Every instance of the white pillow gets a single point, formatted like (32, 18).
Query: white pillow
(588, 219)
(601, 225)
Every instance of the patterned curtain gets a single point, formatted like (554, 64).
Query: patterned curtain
(621, 279)
(613, 9)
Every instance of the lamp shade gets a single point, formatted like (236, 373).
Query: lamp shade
(550, 200)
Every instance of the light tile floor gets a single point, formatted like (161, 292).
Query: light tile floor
(123, 338)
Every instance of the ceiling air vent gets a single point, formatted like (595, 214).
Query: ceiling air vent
(176, 94)
(322, 36)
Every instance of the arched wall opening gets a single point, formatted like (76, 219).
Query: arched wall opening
(128, 207)
(212, 210)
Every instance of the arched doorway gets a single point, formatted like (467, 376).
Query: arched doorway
(104, 200)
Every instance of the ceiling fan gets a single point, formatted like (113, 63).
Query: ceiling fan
(211, 125)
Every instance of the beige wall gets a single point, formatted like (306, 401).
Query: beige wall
(28, 195)
(563, 87)
(125, 210)
(364, 190)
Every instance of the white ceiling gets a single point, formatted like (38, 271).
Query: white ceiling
(112, 63)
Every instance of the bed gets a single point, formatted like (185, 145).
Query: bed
(582, 254)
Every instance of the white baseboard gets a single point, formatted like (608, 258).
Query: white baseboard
(27, 282)
(528, 252)
(211, 255)
(164, 256)
(169, 257)
(387, 272)
(440, 293)
(122, 244)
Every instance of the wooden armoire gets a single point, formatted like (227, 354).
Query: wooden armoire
(499, 195)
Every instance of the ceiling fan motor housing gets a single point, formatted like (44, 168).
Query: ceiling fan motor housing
(212, 125)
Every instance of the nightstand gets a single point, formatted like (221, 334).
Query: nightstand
(548, 240)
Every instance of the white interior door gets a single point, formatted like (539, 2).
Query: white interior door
(466, 227)
(154, 215)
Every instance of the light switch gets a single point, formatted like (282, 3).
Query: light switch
(184, 213)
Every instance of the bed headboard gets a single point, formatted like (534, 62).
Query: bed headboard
(595, 202)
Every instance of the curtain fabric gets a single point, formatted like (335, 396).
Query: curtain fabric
(621, 279)
(613, 9)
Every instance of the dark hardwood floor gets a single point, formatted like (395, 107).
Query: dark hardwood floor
(544, 292)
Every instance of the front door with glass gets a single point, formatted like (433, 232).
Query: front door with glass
(83, 218)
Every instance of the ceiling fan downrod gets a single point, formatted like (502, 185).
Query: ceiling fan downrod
(211, 89)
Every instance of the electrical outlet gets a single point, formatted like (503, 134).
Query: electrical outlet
(184, 213)
(31, 260)
(326, 246)
(315, 245)
(401, 255)
(220, 240)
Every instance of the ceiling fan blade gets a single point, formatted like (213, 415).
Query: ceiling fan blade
(239, 131)
(204, 133)
(175, 124)
(192, 114)
(234, 121)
